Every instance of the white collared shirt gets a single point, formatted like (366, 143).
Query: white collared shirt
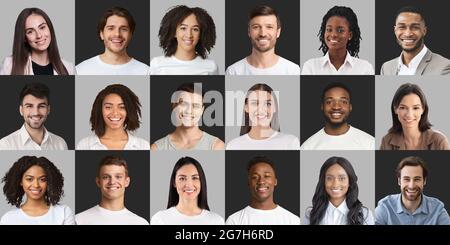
(21, 140)
(413, 64)
(338, 215)
(323, 66)
(92, 142)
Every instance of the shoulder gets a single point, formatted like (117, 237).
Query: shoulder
(87, 64)
(361, 133)
(6, 66)
(140, 143)
(138, 220)
(291, 67)
(388, 67)
(234, 218)
(439, 59)
(308, 144)
(138, 64)
(214, 217)
(236, 143)
(87, 142)
(61, 208)
(287, 62)
(434, 203)
(234, 68)
(86, 215)
(159, 217)
(156, 61)
(388, 201)
(58, 139)
(69, 66)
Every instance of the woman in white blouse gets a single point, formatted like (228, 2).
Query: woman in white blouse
(339, 36)
(335, 201)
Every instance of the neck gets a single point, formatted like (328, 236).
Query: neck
(411, 136)
(332, 130)
(336, 201)
(40, 58)
(113, 205)
(37, 135)
(407, 56)
(187, 132)
(262, 59)
(185, 55)
(115, 134)
(260, 132)
(337, 57)
(35, 204)
(411, 206)
(188, 207)
(264, 205)
(113, 58)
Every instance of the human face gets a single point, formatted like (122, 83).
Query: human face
(34, 183)
(34, 111)
(336, 106)
(260, 107)
(188, 109)
(336, 183)
(262, 181)
(187, 182)
(337, 33)
(263, 32)
(410, 31)
(188, 34)
(116, 34)
(37, 33)
(409, 111)
(114, 111)
(112, 181)
(411, 182)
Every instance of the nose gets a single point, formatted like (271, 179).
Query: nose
(409, 113)
(36, 183)
(336, 105)
(38, 34)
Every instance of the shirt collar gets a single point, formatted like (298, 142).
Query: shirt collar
(423, 207)
(416, 60)
(25, 136)
(131, 144)
(398, 142)
(348, 59)
(342, 208)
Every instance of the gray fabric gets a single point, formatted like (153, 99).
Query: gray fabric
(205, 143)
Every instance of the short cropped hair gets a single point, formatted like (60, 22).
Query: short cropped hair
(119, 11)
(264, 10)
(38, 90)
(412, 161)
(112, 160)
(410, 9)
(260, 159)
(336, 85)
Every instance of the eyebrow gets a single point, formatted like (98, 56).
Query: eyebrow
(108, 103)
(342, 97)
(29, 175)
(412, 105)
(32, 28)
(188, 25)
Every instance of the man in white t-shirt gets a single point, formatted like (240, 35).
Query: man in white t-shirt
(115, 29)
(34, 108)
(112, 179)
(337, 133)
(262, 209)
(264, 29)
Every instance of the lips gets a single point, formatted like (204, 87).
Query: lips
(336, 114)
(41, 42)
(262, 189)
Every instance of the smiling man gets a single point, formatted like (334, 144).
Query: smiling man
(262, 210)
(416, 59)
(337, 133)
(411, 207)
(264, 28)
(115, 30)
(34, 108)
(112, 179)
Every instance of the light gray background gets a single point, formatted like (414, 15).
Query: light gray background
(363, 163)
(216, 9)
(161, 166)
(61, 13)
(87, 88)
(63, 160)
(436, 92)
(288, 88)
(311, 14)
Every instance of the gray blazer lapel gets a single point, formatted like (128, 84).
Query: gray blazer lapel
(424, 62)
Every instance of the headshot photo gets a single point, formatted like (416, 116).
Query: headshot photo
(112, 113)
(28, 123)
(343, 118)
(342, 42)
(409, 38)
(262, 187)
(30, 46)
(112, 188)
(262, 113)
(190, 38)
(416, 121)
(337, 188)
(187, 112)
(262, 38)
(416, 178)
(187, 188)
(117, 42)
(38, 189)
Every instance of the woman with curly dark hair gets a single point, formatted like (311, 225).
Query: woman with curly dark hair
(186, 35)
(42, 184)
(335, 201)
(339, 36)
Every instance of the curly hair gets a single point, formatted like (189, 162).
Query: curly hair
(132, 106)
(173, 18)
(13, 178)
(350, 16)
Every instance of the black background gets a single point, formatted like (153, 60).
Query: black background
(362, 90)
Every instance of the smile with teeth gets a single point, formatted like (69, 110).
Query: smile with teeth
(188, 42)
(263, 41)
(262, 189)
(112, 188)
(408, 41)
(117, 41)
(189, 191)
(35, 191)
(336, 114)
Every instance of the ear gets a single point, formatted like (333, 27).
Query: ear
(351, 36)
(127, 181)
(425, 31)
(350, 107)
(246, 107)
(424, 182)
(399, 182)
(321, 107)
(276, 182)
(97, 181)
(21, 110)
(49, 109)
(101, 36)
(278, 32)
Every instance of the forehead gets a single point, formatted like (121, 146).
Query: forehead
(264, 20)
(336, 169)
(31, 99)
(260, 95)
(112, 169)
(338, 20)
(411, 99)
(190, 20)
(188, 169)
(411, 171)
(35, 170)
(116, 20)
(261, 167)
(34, 19)
(336, 92)
(187, 96)
(408, 17)
(112, 98)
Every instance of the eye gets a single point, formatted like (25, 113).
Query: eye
(328, 29)
(183, 28)
(195, 177)
(196, 29)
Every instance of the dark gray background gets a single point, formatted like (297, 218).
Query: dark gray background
(137, 198)
(87, 39)
(60, 121)
(362, 90)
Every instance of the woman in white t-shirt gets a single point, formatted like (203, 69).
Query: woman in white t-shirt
(340, 37)
(261, 126)
(335, 201)
(186, 35)
(42, 184)
(188, 201)
(115, 112)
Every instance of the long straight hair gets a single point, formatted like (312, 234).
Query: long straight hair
(21, 48)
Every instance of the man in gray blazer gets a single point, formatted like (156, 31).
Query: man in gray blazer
(415, 59)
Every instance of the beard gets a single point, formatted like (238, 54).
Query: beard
(336, 125)
(412, 198)
(262, 49)
(416, 47)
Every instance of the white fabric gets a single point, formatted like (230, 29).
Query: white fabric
(21, 140)
(102, 216)
(338, 215)
(252, 216)
(323, 66)
(277, 141)
(92, 142)
(162, 65)
(282, 67)
(353, 139)
(172, 216)
(56, 215)
(95, 66)
(413, 64)
(6, 67)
